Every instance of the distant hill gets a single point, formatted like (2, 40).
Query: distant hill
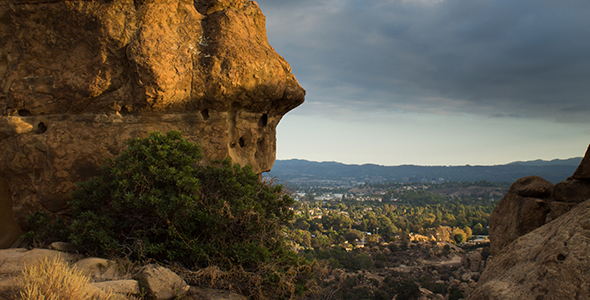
(296, 170)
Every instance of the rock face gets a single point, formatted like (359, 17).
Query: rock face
(533, 201)
(546, 260)
(79, 78)
(522, 209)
(551, 262)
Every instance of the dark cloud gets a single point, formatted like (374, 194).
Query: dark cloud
(527, 58)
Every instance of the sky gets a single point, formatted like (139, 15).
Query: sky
(434, 82)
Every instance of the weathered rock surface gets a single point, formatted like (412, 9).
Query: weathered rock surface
(99, 269)
(522, 209)
(14, 260)
(79, 78)
(472, 261)
(533, 201)
(121, 287)
(551, 262)
(160, 282)
(568, 194)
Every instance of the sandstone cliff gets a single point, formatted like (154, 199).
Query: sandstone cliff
(540, 236)
(79, 78)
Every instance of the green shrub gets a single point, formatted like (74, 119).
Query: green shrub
(156, 201)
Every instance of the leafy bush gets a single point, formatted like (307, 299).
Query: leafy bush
(157, 201)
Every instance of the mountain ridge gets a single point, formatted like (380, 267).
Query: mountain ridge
(291, 170)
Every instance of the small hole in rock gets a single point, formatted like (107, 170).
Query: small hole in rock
(263, 120)
(124, 110)
(233, 145)
(560, 257)
(41, 128)
(24, 112)
(242, 143)
(205, 114)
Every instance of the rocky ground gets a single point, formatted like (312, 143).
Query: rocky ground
(441, 270)
(123, 278)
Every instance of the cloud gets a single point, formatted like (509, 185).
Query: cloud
(486, 57)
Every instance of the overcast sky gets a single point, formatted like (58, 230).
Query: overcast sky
(434, 82)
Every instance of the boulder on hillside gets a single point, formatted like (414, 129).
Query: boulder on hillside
(568, 194)
(523, 209)
(551, 262)
(472, 261)
(79, 78)
(160, 282)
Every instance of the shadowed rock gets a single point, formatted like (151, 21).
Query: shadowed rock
(522, 209)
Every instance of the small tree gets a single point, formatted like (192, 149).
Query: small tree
(459, 235)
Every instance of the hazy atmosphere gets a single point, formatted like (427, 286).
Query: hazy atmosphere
(434, 82)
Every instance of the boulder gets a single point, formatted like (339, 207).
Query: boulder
(568, 194)
(551, 262)
(98, 269)
(160, 282)
(66, 247)
(79, 78)
(123, 287)
(522, 209)
(472, 260)
(14, 260)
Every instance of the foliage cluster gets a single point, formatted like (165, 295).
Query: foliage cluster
(360, 287)
(157, 201)
(354, 220)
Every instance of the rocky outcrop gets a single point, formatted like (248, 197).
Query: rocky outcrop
(551, 262)
(473, 261)
(79, 78)
(522, 209)
(533, 201)
(551, 259)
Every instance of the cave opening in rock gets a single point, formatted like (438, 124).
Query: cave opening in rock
(41, 128)
(242, 142)
(23, 112)
(205, 114)
(263, 120)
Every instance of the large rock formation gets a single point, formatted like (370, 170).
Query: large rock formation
(533, 201)
(522, 209)
(540, 236)
(551, 262)
(79, 78)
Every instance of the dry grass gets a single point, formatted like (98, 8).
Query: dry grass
(262, 284)
(54, 279)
